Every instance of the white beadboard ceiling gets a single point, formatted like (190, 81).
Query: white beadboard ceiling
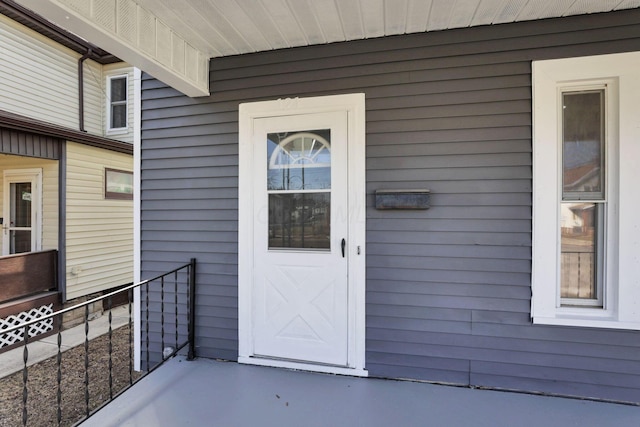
(230, 27)
(174, 39)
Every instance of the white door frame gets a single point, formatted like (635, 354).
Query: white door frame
(354, 106)
(33, 175)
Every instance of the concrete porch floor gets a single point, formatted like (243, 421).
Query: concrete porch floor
(209, 393)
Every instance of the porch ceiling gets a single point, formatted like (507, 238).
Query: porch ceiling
(173, 40)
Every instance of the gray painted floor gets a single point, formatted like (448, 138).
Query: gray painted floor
(209, 393)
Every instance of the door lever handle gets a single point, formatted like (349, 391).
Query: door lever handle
(343, 244)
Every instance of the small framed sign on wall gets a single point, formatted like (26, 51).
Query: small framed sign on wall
(118, 184)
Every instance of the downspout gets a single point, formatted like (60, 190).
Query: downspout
(81, 88)
(62, 222)
(62, 187)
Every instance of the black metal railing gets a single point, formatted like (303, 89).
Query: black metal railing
(167, 326)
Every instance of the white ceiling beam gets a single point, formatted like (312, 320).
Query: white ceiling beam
(135, 35)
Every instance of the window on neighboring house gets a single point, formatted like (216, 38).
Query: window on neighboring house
(585, 235)
(118, 184)
(117, 103)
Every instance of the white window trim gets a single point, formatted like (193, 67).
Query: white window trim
(109, 129)
(622, 266)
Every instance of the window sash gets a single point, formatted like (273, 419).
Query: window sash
(583, 206)
(582, 248)
(118, 93)
(583, 143)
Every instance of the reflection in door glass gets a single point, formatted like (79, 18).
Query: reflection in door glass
(299, 220)
(299, 160)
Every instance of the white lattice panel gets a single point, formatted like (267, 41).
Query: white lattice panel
(22, 317)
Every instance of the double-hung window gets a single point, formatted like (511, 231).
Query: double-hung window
(583, 205)
(117, 104)
(586, 148)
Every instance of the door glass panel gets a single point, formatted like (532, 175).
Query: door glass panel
(20, 240)
(583, 145)
(21, 204)
(299, 160)
(299, 220)
(299, 187)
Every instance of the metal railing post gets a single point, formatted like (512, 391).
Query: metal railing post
(192, 310)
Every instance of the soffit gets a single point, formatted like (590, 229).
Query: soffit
(173, 40)
(232, 27)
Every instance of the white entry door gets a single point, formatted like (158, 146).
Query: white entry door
(298, 299)
(21, 211)
(300, 259)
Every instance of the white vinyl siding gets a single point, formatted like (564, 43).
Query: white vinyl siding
(49, 168)
(93, 98)
(99, 230)
(39, 79)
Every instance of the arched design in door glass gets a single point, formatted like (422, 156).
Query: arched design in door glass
(299, 187)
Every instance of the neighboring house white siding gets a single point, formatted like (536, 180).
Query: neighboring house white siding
(93, 98)
(39, 79)
(99, 231)
(49, 194)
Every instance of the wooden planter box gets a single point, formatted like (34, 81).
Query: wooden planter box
(22, 275)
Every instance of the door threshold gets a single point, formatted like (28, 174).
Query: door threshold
(301, 366)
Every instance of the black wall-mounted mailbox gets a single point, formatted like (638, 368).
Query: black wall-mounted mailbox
(402, 199)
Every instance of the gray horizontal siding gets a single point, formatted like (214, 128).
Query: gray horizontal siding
(29, 144)
(448, 289)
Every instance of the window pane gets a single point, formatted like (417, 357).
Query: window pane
(581, 227)
(119, 89)
(20, 241)
(299, 220)
(118, 116)
(583, 144)
(20, 204)
(299, 160)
